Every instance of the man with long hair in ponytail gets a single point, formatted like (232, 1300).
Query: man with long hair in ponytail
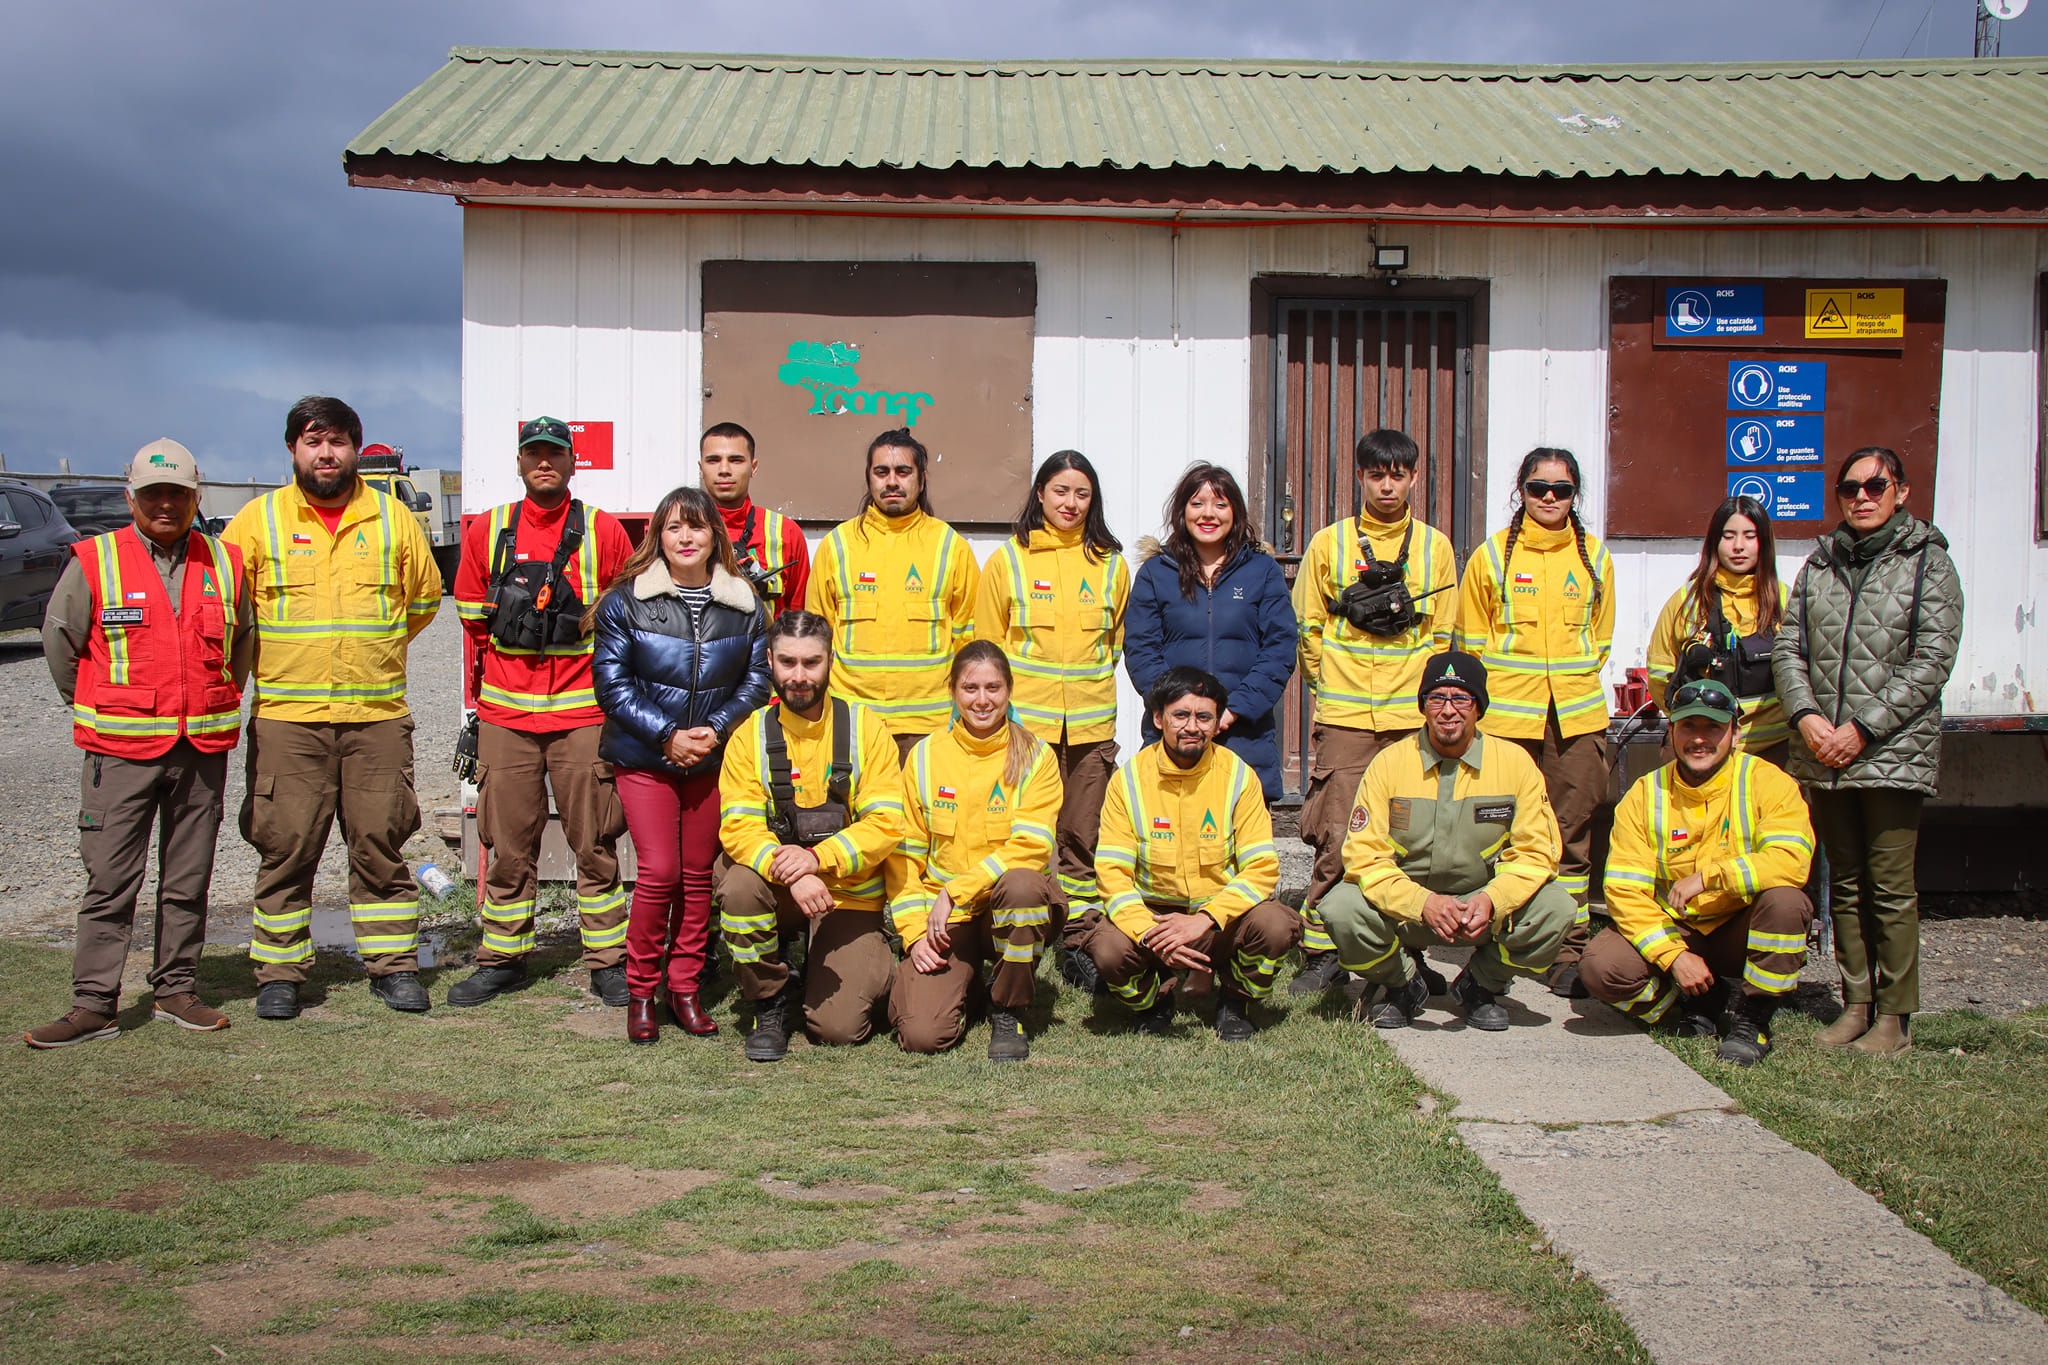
(1537, 608)
(980, 799)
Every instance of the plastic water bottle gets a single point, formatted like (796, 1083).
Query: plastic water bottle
(434, 881)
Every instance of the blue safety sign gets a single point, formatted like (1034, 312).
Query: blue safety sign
(1727, 310)
(1782, 385)
(1787, 497)
(1774, 439)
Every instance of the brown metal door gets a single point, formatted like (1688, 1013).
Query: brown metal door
(1341, 368)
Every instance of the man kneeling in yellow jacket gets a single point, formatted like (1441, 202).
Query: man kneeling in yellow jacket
(1705, 872)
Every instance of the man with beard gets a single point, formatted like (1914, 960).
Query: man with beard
(811, 808)
(898, 586)
(1705, 877)
(1451, 841)
(773, 554)
(343, 579)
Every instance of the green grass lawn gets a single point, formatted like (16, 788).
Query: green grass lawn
(515, 1183)
(1952, 1137)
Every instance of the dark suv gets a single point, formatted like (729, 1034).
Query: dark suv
(35, 541)
(93, 509)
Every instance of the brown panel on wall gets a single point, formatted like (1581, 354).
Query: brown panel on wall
(816, 358)
(1761, 386)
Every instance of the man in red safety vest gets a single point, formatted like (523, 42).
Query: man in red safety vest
(772, 551)
(148, 637)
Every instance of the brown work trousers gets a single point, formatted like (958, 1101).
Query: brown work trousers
(1085, 770)
(847, 965)
(515, 772)
(121, 802)
(302, 775)
(1010, 927)
(1342, 755)
(1575, 778)
(1246, 955)
(1765, 944)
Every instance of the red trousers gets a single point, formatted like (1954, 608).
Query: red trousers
(674, 822)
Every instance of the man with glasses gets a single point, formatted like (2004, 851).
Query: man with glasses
(1705, 878)
(1451, 842)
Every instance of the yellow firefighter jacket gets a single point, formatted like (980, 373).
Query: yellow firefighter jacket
(1199, 839)
(1763, 718)
(1059, 615)
(334, 613)
(850, 862)
(1534, 624)
(1363, 681)
(962, 828)
(1422, 823)
(1744, 830)
(899, 592)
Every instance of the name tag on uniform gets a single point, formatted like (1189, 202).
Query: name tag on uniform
(121, 616)
(1397, 812)
(1493, 812)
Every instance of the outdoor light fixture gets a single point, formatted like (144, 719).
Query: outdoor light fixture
(1390, 258)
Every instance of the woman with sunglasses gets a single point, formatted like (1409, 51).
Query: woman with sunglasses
(1537, 607)
(1724, 621)
(1869, 637)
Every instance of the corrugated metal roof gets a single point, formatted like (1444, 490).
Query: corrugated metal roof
(1928, 120)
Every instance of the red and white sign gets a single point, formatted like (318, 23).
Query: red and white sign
(592, 442)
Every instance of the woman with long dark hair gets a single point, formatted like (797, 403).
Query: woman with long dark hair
(1537, 607)
(681, 660)
(979, 801)
(1053, 597)
(1724, 621)
(1869, 637)
(1212, 598)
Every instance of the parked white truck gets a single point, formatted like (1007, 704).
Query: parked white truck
(434, 495)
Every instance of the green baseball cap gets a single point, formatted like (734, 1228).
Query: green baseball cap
(1707, 697)
(545, 431)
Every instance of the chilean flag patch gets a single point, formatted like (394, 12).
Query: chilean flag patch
(948, 794)
(1040, 585)
(136, 596)
(866, 578)
(298, 539)
(1160, 822)
(1679, 836)
(1524, 579)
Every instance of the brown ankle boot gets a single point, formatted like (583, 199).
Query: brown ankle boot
(1888, 1037)
(1854, 1023)
(691, 1016)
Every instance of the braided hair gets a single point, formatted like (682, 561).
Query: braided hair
(1570, 462)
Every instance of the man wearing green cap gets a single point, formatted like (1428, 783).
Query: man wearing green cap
(1705, 877)
(1451, 841)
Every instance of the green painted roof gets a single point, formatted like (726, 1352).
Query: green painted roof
(1927, 120)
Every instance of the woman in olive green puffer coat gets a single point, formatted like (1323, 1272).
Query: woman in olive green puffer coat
(1867, 643)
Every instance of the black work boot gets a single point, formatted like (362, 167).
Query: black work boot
(485, 983)
(1077, 969)
(277, 1000)
(1426, 974)
(1007, 1041)
(1319, 971)
(1563, 980)
(606, 983)
(1157, 1021)
(1233, 1019)
(1399, 1006)
(1478, 1004)
(770, 1038)
(402, 991)
(1749, 1039)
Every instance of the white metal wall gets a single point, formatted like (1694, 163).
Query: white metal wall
(1143, 360)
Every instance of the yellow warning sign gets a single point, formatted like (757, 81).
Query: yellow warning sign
(1855, 314)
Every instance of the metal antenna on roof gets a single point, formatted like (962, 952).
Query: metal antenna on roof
(1991, 17)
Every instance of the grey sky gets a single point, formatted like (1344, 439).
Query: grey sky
(181, 256)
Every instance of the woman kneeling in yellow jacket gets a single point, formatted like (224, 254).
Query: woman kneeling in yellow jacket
(980, 799)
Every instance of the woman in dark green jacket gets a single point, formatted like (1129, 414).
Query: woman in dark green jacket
(1867, 643)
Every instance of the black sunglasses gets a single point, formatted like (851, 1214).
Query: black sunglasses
(1873, 488)
(1702, 690)
(1539, 490)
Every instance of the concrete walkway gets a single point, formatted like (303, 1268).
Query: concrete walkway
(1717, 1240)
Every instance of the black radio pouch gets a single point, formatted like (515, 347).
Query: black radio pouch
(532, 604)
(807, 826)
(1742, 664)
(1379, 602)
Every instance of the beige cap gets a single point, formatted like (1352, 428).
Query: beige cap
(163, 461)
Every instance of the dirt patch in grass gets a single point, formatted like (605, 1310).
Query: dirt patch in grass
(1066, 1172)
(1213, 1196)
(563, 1189)
(827, 1191)
(1465, 1308)
(597, 1022)
(222, 1155)
(142, 1199)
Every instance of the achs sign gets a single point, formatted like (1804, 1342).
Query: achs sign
(817, 358)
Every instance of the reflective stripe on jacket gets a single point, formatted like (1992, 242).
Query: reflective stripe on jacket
(963, 828)
(334, 613)
(150, 675)
(1535, 625)
(1763, 719)
(1059, 614)
(899, 592)
(1364, 681)
(1744, 830)
(1198, 839)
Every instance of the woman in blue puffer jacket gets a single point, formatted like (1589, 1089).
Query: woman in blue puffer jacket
(681, 660)
(1212, 598)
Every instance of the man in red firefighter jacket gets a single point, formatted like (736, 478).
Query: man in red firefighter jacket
(765, 541)
(528, 570)
(148, 638)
